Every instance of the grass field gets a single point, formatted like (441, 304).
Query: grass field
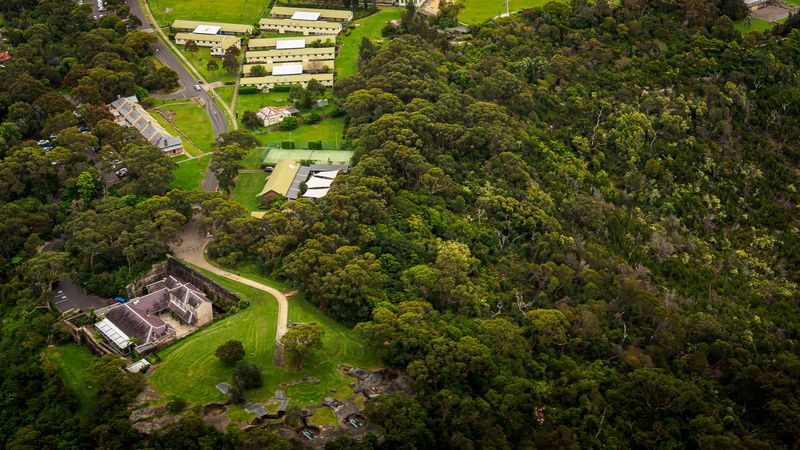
(72, 361)
(193, 121)
(248, 185)
(329, 130)
(477, 11)
(245, 12)
(351, 44)
(200, 59)
(189, 175)
(755, 25)
(190, 370)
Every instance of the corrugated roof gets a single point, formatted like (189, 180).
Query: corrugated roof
(285, 44)
(317, 182)
(273, 42)
(224, 27)
(253, 81)
(287, 69)
(334, 27)
(207, 29)
(308, 66)
(324, 13)
(305, 15)
(281, 177)
(322, 51)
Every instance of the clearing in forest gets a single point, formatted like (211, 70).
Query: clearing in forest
(189, 368)
(477, 11)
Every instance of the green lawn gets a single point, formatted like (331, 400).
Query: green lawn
(248, 185)
(72, 361)
(755, 25)
(192, 120)
(477, 11)
(189, 174)
(190, 369)
(200, 59)
(370, 28)
(245, 12)
(328, 131)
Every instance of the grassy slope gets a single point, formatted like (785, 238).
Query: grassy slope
(189, 175)
(477, 11)
(370, 28)
(193, 121)
(190, 370)
(248, 185)
(72, 361)
(232, 11)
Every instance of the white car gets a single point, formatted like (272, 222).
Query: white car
(197, 87)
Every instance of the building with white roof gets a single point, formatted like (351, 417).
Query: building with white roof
(304, 27)
(275, 43)
(329, 15)
(218, 43)
(291, 55)
(233, 29)
(269, 82)
(287, 69)
(308, 67)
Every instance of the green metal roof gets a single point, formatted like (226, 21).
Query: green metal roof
(281, 177)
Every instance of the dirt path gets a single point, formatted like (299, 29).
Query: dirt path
(192, 250)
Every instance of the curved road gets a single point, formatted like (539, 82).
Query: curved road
(187, 82)
(192, 250)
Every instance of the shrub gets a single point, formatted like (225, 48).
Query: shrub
(287, 145)
(311, 118)
(282, 88)
(315, 145)
(288, 123)
(248, 90)
(176, 406)
(250, 119)
(230, 352)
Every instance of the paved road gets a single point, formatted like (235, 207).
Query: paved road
(192, 250)
(187, 82)
(67, 295)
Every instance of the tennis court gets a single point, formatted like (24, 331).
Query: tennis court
(274, 155)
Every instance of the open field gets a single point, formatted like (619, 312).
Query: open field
(200, 59)
(189, 175)
(248, 185)
(319, 156)
(351, 44)
(477, 11)
(72, 361)
(755, 25)
(232, 11)
(329, 130)
(190, 369)
(190, 119)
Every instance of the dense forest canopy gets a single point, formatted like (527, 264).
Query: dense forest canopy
(577, 228)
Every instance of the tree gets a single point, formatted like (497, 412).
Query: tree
(231, 59)
(89, 184)
(191, 47)
(300, 341)
(212, 65)
(230, 352)
(247, 375)
(250, 118)
(258, 71)
(225, 164)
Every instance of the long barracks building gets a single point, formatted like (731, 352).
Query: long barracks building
(291, 55)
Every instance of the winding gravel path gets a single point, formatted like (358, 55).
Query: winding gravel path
(192, 250)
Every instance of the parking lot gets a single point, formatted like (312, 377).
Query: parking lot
(67, 295)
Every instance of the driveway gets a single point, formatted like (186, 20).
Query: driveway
(192, 250)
